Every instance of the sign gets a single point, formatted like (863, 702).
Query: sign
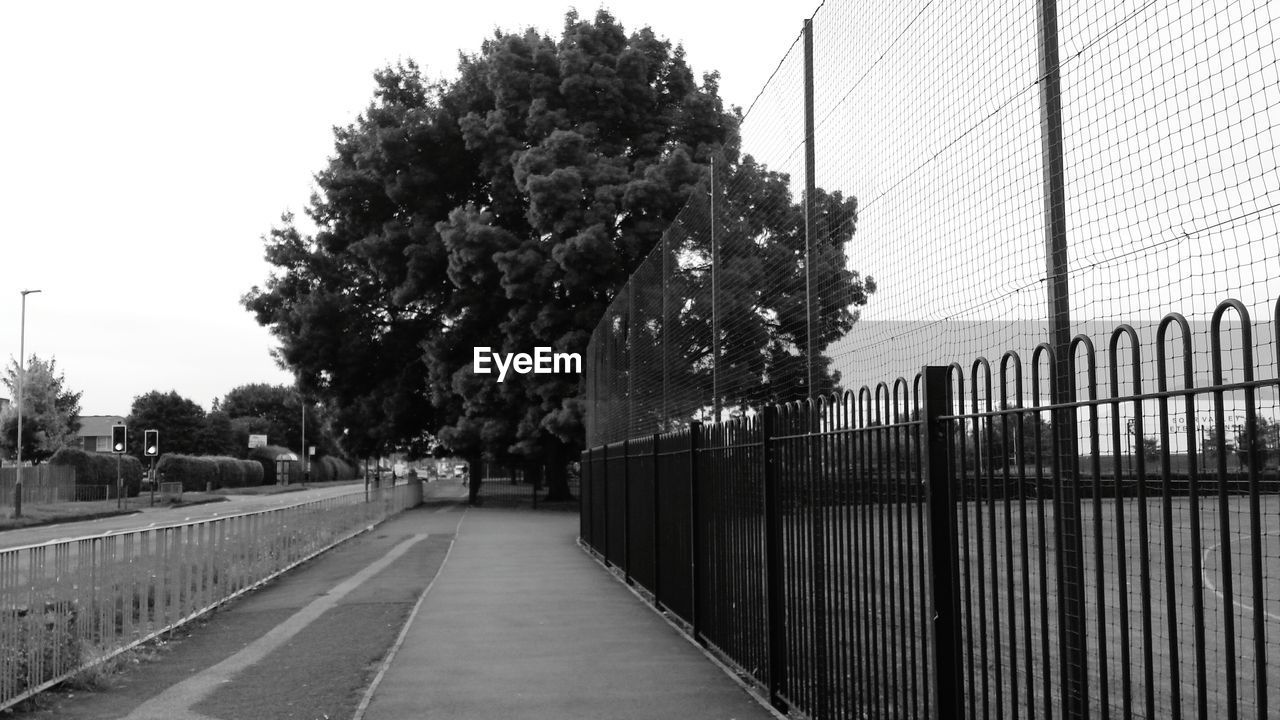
(311, 450)
(257, 441)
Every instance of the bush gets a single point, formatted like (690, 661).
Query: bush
(329, 469)
(252, 472)
(195, 473)
(230, 472)
(94, 468)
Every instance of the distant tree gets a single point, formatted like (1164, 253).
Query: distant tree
(218, 436)
(242, 428)
(1261, 444)
(50, 411)
(1023, 438)
(179, 420)
(276, 411)
(1151, 448)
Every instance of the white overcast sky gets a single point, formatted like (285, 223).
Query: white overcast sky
(149, 145)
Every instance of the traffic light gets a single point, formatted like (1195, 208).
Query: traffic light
(151, 443)
(117, 438)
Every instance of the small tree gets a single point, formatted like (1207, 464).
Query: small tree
(1012, 438)
(1151, 448)
(1261, 444)
(50, 412)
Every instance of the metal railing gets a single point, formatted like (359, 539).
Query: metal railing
(962, 546)
(66, 606)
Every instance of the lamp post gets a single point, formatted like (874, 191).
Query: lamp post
(22, 352)
(302, 400)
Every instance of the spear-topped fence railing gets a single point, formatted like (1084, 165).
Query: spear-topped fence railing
(904, 551)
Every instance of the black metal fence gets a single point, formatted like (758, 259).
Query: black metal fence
(958, 545)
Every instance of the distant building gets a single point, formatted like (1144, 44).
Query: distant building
(95, 431)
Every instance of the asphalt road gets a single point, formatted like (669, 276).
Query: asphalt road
(304, 647)
(158, 516)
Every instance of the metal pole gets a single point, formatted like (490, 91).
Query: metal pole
(695, 529)
(22, 352)
(631, 356)
(776, 641)
(814, 425)
(940, 503)
(715, 302)
(1074, 654)
(809, 209)
(303, 402)
(665, 329)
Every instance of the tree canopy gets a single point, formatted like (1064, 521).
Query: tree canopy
(180, 422)
(50, 410)
(271, 410)
(505, 209)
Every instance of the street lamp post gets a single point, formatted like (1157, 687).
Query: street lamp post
(303, 402)
(22, 352)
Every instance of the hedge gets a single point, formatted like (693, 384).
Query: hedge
(252, 473)
(328, 469)
(198, 472)
(93, 468)
(195, 473)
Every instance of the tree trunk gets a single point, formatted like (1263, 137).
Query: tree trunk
(557, 475)
(474, 473)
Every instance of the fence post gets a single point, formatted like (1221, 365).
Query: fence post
(945, 590)
(1073, 652)
(626, 512)
(773, 562)
(604, 500)
(657, 529)
(584, 496)
(695, 521)
(810, 214)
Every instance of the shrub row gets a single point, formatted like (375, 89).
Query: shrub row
(328, 469)
(93, 468)
(198, 472)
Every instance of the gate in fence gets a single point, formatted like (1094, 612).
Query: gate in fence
(928, 549)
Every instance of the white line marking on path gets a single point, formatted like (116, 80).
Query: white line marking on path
(175, 703)
(404, 631)
(1204, 575)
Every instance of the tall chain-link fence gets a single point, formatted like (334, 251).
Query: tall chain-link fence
(950, 149)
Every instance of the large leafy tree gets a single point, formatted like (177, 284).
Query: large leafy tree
(50, 411)
(505, 209)
(180, 421)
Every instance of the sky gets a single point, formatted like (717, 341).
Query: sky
(150, 145)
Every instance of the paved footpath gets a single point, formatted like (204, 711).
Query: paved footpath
(521, 623)
(440, 612)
